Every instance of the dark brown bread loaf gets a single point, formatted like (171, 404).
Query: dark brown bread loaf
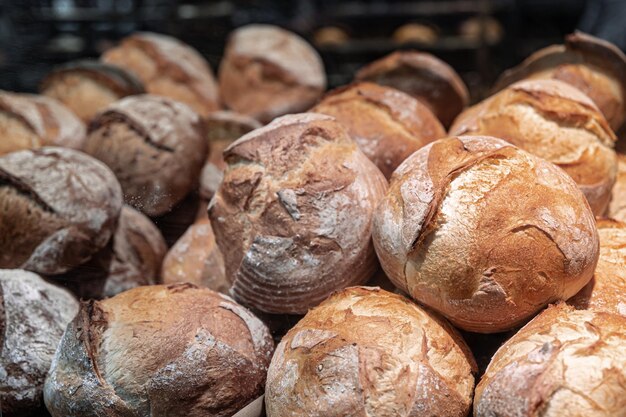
(293, 214)
(425, 77)
(267, 72)
(154, 145)
(367, 352)
(58, 207)
(484, 233)
(168, 67)
(387, 124)
(33, 316)
(86, 87)
(157, 351)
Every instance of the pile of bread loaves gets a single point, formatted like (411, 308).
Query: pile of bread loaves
(503, 231)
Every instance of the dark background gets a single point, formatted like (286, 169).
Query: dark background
(36, 35)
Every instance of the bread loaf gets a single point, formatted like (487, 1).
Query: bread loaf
(196, 258)
(425, 77)
(293, 214)
(267, 72)
(594, 66)
(157, 351)
(617, 205)
(554, 121)
(387, 124)
(154, 145)
(168, 67)
(484, 232)
(607, 290)
(368, 352)
(86, 87)
(58, 207)
(33, 316)
(415, 33)
(564, 363)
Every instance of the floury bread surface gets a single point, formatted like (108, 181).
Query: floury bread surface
(484, 232)
(293, 214)
(367, 352)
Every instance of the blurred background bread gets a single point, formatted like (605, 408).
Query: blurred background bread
(387, 124)
(484, 232)
(293, 214)
(365, 351)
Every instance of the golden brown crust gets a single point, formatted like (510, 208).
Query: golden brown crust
(367, 352)
(423, 76)
(267, 72)
(617, 206)
(607, 290)
(564, 363)
(554, 121)
(451, 228)
(387, 124)
(168, 67)
(174, 350)
(285, 216)
(593, 65)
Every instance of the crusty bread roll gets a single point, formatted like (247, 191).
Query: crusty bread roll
(196, 258)
(58, 207)
(607, 290)
(485, 233)
(33, 316)
(330, 36)
(554, 121)
(157, 351)
(564, 363)
(594, 66)
(86, 86)
(367, 352)
(222, 129)
(168, 67)
(267, 72)
(617, 205)
(482, 28)
(293, 214)
(28, 121)
(154, 145)
(387, 124)
(132, 258)
(425, 77)
(415, 33)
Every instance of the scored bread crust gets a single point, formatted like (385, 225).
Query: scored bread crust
(554, 121)
(423, 76)
(367, 352)
(293, 214)
(387, 124)
(564, 363)
(174, 350)
(484, 232)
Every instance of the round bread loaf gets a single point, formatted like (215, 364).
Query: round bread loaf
(482, 29)
(87, 87)
(328, 36)
(367, 352)
(58, 207)
(33, 316)
(607, 290)
(617, 205)
(554, 121)
(423, 76)
(30, 121)
(293, 216)
(387, 124)
(154, 351)
(416, 33)
(222, 128)
(564, 363)
(154, 145)
(168, 67)
(196, 258)
(594, 66)
(132, 258)
(484, 232)
(267, 72)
